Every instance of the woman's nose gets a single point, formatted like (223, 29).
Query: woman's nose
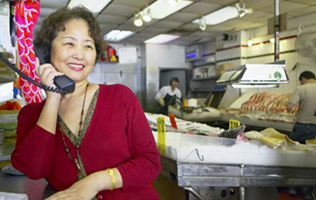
(79, 53)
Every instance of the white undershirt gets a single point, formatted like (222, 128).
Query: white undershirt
(167, 90)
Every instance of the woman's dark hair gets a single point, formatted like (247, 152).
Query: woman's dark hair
(307, 75)
(174, 79)
(55, 23)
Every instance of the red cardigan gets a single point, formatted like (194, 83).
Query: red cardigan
(118, 136)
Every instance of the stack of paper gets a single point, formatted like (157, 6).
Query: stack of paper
(12, 196)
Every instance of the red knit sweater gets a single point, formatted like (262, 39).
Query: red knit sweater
(118, 136)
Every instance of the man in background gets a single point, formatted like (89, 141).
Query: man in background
(304, 95)
(169, 95)
(305, 125)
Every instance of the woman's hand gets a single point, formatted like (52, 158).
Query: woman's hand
(87, 188)
(48, 117)
(47, 73)
(81, 190)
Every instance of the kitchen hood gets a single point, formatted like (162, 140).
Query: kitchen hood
(255, 75)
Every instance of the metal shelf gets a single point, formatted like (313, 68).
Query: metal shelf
(207, 78)
(207, 90)
(205, 64)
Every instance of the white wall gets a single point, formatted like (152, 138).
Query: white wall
(96, 76)
(5, 39)
(166, 56)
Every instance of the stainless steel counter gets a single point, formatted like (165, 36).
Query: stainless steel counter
(35, 189)
(198, 175)
(206, 174)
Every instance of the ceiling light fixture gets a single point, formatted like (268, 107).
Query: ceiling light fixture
(117, 35)
(219, 16)
(250, 43)
(95, 6)
(241, 8)
(272, 40)
(162, 38)
(224, 14)
(146, 15)
(138, 20)
(202, 25)
(173, 3)
(161, 8)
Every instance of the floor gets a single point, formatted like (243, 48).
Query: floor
(284, 195)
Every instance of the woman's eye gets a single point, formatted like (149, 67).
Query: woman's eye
(89, 47)
(69, 44)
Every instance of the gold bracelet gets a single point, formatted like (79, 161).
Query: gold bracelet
(112, 175)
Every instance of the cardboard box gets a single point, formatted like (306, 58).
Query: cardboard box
(220, 70)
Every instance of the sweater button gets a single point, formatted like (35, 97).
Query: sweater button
(100, 196)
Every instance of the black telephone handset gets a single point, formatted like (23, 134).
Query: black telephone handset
(63, 82)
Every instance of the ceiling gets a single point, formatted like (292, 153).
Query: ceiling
(119, 14)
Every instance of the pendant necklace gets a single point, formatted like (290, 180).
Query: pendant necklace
(75, 160)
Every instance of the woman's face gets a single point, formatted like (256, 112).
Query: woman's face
(74, 51)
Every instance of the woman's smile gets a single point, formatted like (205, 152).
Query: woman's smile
(76, 67)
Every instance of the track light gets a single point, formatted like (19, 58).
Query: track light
(142, 16)
(138, 20)
(202, 24)
(249, 43)
(272, 40)
(146, 15)
(241, 8)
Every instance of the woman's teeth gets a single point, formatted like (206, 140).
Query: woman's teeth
(75, 66)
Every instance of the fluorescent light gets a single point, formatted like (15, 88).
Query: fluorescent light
(118, 35)
(94, 6)
(173, 3)
(161, 8)
(220, 16)
(162, 38)
(236, 85)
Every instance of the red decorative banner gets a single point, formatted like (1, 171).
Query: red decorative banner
(26, 14)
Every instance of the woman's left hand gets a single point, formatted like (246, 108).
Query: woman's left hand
(81, 190)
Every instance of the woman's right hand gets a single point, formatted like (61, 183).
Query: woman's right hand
(47, 73)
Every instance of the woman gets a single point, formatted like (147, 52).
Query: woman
(94, 142)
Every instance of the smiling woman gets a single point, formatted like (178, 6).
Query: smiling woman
(90, 143)
(73, 50)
